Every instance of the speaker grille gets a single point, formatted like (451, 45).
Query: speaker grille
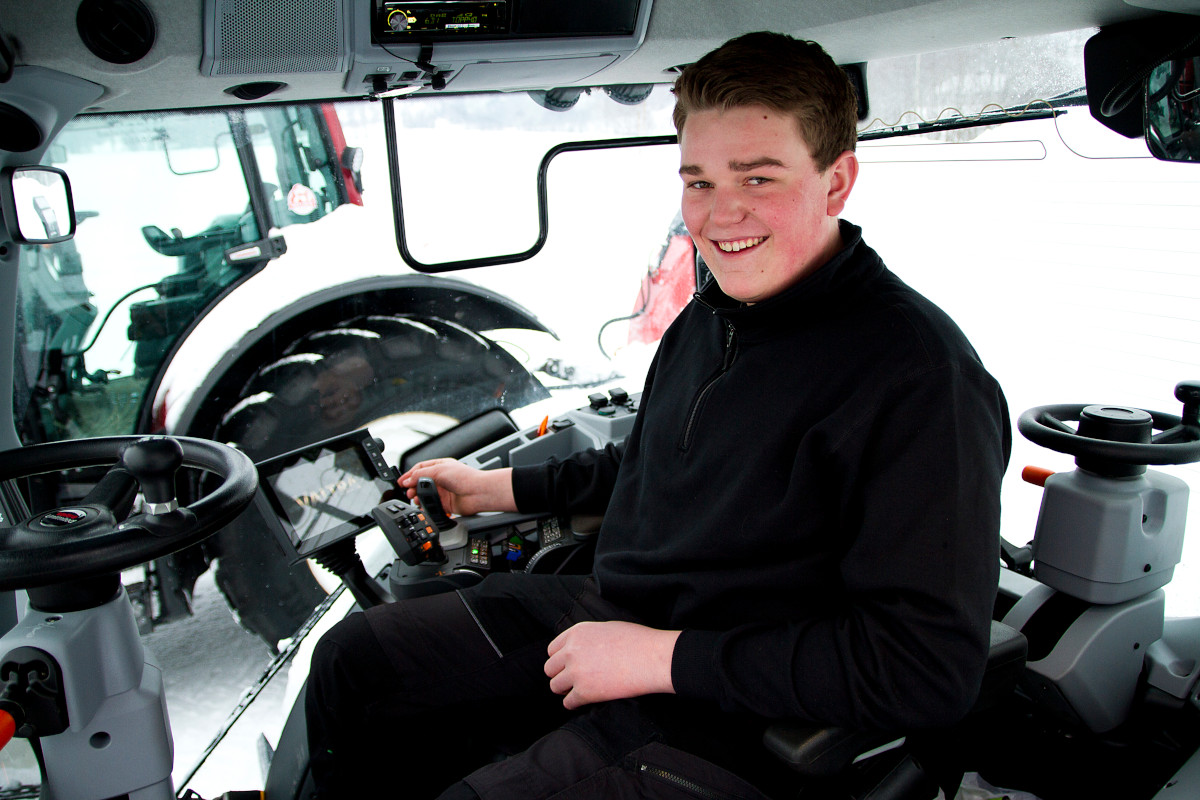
(257, 37)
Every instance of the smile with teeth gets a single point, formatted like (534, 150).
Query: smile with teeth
(740, 244)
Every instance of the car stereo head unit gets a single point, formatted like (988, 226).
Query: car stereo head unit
(449, 20)
(323, 493)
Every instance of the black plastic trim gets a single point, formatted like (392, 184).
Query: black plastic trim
(389, 120)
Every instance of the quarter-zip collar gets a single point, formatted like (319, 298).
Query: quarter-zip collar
(816, 294)
(729, 352)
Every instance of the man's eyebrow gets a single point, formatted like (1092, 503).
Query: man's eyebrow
(736, 166)
(758, 163)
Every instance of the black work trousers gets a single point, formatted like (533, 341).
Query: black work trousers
(406, 699)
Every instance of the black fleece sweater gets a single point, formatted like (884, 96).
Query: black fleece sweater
(811, 493)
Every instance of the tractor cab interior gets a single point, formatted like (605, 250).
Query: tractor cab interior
(1093, 680)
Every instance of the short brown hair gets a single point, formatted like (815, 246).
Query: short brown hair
(788, 76)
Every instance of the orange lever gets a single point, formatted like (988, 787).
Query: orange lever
(8, 727)
(1036, 475)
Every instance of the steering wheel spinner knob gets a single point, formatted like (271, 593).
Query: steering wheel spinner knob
(1188, 393)
(158, 509)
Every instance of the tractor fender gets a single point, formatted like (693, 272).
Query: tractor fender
(179, 404)
(394, 350)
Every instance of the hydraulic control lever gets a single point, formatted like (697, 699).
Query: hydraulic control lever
(452, 533)
(427, 495)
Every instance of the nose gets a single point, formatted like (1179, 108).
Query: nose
(727, 206)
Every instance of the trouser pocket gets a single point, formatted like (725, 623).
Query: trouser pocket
(668, 772)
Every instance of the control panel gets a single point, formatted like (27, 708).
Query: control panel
(608, 417)
(495, 543)
(411, 534)
(506, 542)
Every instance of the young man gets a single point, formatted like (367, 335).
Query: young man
(802, 523)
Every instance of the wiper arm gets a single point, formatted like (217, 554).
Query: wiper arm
(1037, 109)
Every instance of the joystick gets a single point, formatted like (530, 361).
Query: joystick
(452, 533)
(427, 494)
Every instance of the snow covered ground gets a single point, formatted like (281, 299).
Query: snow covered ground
(208, 661)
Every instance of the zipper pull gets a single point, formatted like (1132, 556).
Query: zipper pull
(711, 308)
(729, 334)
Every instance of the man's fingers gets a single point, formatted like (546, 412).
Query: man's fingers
(560, 684)
(554, 665)
(409, 478)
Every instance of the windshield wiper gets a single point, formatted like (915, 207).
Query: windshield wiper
(1038, 109)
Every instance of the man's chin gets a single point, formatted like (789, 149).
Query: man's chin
(739, 290)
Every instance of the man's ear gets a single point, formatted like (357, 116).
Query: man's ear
(842, 174)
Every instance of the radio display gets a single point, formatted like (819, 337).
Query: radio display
(401, 20)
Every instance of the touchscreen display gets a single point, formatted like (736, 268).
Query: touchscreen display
(324, 493)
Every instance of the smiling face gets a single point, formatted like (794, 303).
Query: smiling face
(760, 212)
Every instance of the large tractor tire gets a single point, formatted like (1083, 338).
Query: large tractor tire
(376, 371)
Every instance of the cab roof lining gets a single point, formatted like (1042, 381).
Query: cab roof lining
(679, 31)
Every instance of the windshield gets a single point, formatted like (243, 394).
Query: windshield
(968, 81)
(161, 200)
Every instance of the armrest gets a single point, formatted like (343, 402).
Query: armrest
(822, 752)
(825, 751)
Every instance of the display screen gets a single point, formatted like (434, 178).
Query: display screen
(402, 20)
(428, 21)
(325, 492)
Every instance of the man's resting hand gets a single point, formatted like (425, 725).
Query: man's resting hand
(595, 661)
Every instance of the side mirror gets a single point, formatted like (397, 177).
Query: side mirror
(36, 204)
(352, 161)
(1172, 118)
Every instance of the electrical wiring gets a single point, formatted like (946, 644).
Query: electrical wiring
(103, 321)
(644, 296)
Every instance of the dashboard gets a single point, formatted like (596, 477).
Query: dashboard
(316, 499)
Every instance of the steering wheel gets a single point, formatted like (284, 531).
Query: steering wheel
(88, 539)
(1117, 434)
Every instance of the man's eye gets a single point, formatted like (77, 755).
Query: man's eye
(698, 184)
(758, 181)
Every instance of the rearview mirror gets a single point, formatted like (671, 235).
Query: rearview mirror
(1172, 117)
(36, 204)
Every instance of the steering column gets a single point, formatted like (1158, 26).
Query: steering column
(74, 676)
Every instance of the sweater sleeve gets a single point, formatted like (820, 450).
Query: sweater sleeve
(579, 484)
(903, 643)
